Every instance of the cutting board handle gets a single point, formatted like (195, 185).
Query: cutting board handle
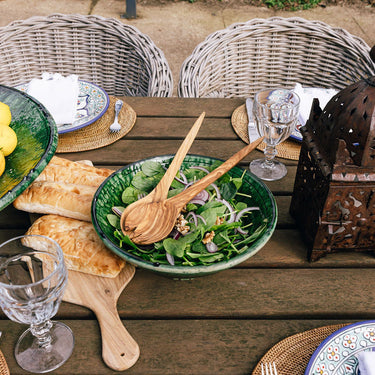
(119, 350)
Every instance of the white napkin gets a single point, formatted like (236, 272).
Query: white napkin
(306, 95)
(366, 363)
(58, 94)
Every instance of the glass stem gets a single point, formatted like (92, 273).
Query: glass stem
(269, 153)
(42, 333)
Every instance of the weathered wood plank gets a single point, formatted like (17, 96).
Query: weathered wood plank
(183, 107)
(126, 151)
(177, 128)
(246, 294)
(199, 347)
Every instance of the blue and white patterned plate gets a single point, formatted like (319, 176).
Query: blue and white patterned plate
(92, 103)
(337, 354)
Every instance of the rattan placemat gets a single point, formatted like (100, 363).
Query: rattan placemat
(292, 354)
(97, 134)
(287, 149)
(4, 370)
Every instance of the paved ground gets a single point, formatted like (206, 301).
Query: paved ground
(177, 27)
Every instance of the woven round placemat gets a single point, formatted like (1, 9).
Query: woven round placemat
(287, 149)
(4, 370)
(292, 354)
(97, 134)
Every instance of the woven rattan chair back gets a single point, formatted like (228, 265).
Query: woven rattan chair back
(276, 52)
(104, 51)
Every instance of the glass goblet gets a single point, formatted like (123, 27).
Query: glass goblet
(275, 114)
(33, 278)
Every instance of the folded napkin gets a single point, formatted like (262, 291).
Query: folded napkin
(366, 364)
(58, 94)
(306, 96)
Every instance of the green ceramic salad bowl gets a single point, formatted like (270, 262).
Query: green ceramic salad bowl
(253, 194)
(37, 141)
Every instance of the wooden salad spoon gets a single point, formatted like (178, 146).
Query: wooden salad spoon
(153, 221)
(139, 212)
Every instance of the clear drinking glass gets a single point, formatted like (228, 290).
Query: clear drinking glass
(275, 113)
(33, 277)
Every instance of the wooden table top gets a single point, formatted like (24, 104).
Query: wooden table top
(219, 324)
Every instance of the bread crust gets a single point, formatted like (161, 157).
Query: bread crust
(64, 188)
(71, 172)
(82, 247)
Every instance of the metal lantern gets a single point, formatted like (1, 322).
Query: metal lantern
(334, 193)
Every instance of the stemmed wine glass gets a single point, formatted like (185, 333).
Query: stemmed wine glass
(275, 113)
(33, 277)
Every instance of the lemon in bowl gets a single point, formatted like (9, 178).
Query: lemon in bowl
(5, 114)
(8, 140)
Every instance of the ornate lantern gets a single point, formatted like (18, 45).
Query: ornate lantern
(334, 193)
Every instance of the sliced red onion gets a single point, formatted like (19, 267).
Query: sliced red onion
(141, 195)
(117, 211)
(211, 247)
(247, 209)
(201, 202)
(201, 218)
(200, 168)
(230, 208)
(217, 191)
(193, 216)
(183, 178)
(202, 195)
(242, 231)
(240, 214)
(170, 259)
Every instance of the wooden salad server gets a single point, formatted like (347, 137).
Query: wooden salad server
(133, 214)
(154, 221)
(100, 294)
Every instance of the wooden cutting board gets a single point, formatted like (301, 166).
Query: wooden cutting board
(100, 294)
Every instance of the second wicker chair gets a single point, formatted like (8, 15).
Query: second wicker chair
(242, 59)
(115, 56)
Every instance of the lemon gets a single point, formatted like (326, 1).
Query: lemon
(5, 115)
(8, 140)
(2, 163)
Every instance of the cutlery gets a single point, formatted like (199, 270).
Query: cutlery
(252, 130)
(154, 217)
(116, 127)
(134, 215)
(269, 369)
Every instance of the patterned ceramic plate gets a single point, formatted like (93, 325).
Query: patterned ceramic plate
(92, 102)
(336, 355)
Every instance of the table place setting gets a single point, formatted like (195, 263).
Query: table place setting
(245, 127)
(329, 350)
(83, 111)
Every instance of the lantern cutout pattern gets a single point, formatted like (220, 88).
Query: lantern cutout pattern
(333, 199)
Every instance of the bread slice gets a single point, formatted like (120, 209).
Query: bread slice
(73, 201)
(83, 249)
(64, 188)
(71, 172)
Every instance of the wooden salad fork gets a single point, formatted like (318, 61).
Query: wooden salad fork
(152, 218)
(140, 213)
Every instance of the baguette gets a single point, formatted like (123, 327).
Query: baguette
(73, 201)
(64, 188)
(71, 172)
(82, 247)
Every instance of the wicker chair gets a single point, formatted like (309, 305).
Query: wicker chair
(115, 56)
(261, 53)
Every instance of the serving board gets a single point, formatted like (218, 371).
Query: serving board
(100, 294)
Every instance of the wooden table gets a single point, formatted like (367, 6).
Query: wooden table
(219, 324)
